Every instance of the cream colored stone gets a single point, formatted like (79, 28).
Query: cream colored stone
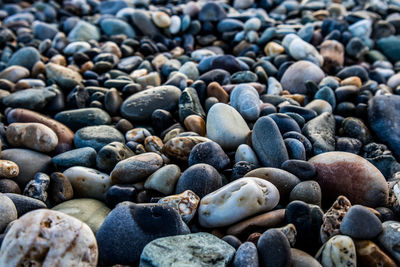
(337, 251)
(8, 169)
(236, 201)
(88, 182)
(185, 203)
(49, 238)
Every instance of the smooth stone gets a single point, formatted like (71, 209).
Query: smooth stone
(35, 99)
(200, 178)
(64, 134)
(389, 238)
(85, 156)
(360, 223)
(302, 169)
(8, 211)
(210, 153)
(29, 163)
(88, 183)
(195, 123)
(189, 104)
(164, 179)
(390, 47)
(302, 259)
(79, 118)
(25, 204)
(351, 71)
(384, 120)
(179, 147)
(337, 251)
(14, 73)
(226, 126)
(97, 136)
(246, 153)
(9, 186)
(211, 11)
(66, 78)
(136, 225)
(246, 255)
(185, 203)
(342, 173)
(114, 26)
(394, 81)
(320, 106)
(245, 99)
(161, 19)
(84, 31)
(298, 73)
(140, 106)
(355, 128)
(60, 188)
(25, 57)
(285, 123)
(52, 237)
(136, 169)
(37, 187)
(190, 70)
(143, 22)
(283, 180)
(220, 76)
(301, 50)
(369, 254)
(296, 135)
(273, 249)
(266, 220)
(182, 249)
(307, 191)
(90, 211)
(268, 143)
(237, 200)
(43, 31)
(112, 153)
(321, 132)
(31, 135)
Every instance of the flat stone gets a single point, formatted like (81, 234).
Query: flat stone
(202, 249)
(64, 77)
(298, 73)
(97, 136)
(79, 118)
(85, 156)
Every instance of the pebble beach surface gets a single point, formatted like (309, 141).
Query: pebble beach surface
(235, 133)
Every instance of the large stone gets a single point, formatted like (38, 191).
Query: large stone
(199, 249)
(66, 78)
(236, 201)
(49, 238)
(79, 118)
(226, 126)
(297, 74)
(140, 106)
(384, 118)
(97, 136)
(25, 57)
(342, 173)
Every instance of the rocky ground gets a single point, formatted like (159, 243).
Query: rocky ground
(212, 133)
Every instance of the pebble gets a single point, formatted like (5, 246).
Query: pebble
(87, 182)
(37, 187)
(274, 249)
(8, 169)
(60, 188)
(342, 173)
(185, 203)
(369, 254)
(307, 191)
(25, 57)
(25, 204)
(138, 225)
(79, 118)
(9, 186)
(8, 211)
(66, 78)
(338, 251)
(85, 156)
(246, 255)
(321, 133)
(245, 99)
(389, 238)
(194, 248)
(220, 208)
(143, 164)
(210, 153)
(90, 211)
(226, 126)
(354, 223)
(180, 147)
(112, 153)
(164, 179)
(97, 136)
(268, 143)
(55, 237)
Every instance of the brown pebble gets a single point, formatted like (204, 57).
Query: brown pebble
(86, 66)
(253, 238)
(9, 186)
(60, 188)
(370, 255)
(59, 59)
(179, 147)
(38, 68)
(153, 144)
(333, 53)
(215, 90)
(353, 80)
(137, 135)
(195, 124)
(273, 49)
(8, 169)
(123, 125)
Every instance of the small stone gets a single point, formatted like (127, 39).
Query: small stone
(245, 99)
(220, 208)
(54, 238)
(274, 249)
(245, 153)
(337, 251)
(90, 211)
(273, 49)
(9, 186)
(66, 78)
(8, 169)
(210, 153)
(307, 191)
(268, 143)
(113, 26)
(201, 178)
(84, 31)
(37, 187)
(8, 211)
(97, 136)
(85, 156)
(369, 254)
(136, 169)
(161, 19)
(333, 53)
(302, 169)
(112, 153)
(14, 73)
(164, 179)
(301, 50)
(200, 249)
(195, 123)
(360, 223)
(87, 182)
(137, 135)
(321, 132)
(60, 188)
(185, 203)
(246, 255)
